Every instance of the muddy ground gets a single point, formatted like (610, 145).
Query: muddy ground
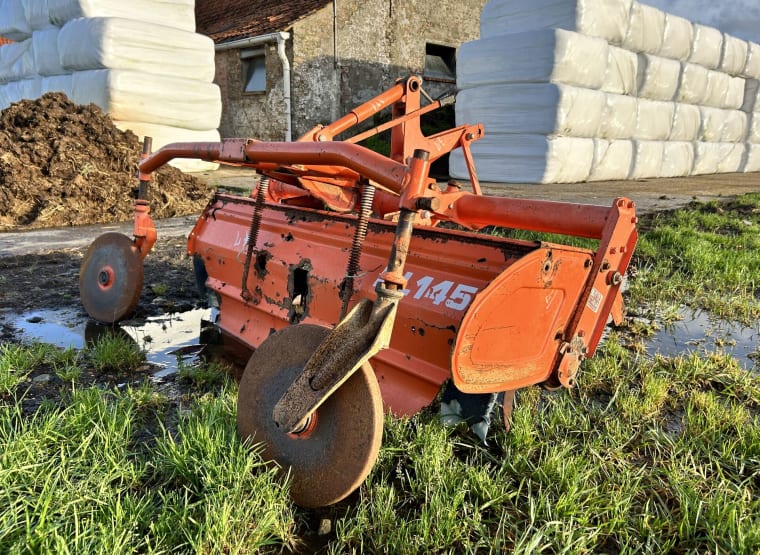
(51, 280)
(34, 282)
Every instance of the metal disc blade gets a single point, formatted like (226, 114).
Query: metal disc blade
(110, 278)
(331, 457)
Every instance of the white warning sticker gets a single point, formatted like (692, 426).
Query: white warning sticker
(594, 300)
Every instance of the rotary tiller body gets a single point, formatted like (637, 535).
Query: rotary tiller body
(343, 272)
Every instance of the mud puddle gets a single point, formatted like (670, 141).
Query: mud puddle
(167, 340)
(700, 332)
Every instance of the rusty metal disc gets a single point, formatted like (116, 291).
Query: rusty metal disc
(110, 278)
(333, 454)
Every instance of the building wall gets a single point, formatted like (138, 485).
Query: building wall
(377, 42)
(260, 114)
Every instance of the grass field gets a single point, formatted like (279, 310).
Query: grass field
(647, 455)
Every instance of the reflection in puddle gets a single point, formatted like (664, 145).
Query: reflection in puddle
(699, 332)
(163, 338)
(167, 337)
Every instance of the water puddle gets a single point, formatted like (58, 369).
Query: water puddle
(699, 331)
(163, 338)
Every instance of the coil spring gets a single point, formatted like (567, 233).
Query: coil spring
(360, 233)
(253, 233)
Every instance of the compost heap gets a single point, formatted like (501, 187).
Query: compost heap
(64, 164)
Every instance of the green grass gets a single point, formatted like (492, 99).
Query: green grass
(80, 479)
(644, 456)
(702, 257)
(114, 352)
(17, 362)
(201, 376)
(647, 454)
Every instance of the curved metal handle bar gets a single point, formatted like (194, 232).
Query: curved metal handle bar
(252, 153)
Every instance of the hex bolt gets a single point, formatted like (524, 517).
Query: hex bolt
(614, 278)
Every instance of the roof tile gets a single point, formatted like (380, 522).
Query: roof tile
(228, 20)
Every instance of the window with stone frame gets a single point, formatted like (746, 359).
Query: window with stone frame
(254, 70)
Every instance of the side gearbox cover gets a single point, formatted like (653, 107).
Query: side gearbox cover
(510, 336)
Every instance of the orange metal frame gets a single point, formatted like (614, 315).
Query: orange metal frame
(495, 314)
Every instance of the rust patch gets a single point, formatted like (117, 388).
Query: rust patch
(284, 304)
(260, 264)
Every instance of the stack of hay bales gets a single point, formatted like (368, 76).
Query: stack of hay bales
(140, 61)
(585, 90)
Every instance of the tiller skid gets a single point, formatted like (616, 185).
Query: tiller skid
(337, 273)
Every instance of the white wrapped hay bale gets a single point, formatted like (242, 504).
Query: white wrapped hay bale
(619, 117)
(734, 55)
(16, 61)
(6, 95)
(622, 68)
(686, 123)
(706, 158)
(731, 157)
(607, 19)
(752, 65)
(753, 127)
(5, 100)
(706, 46)
(57, 83)
(734, 126)
(752, 159)
(527, 159)
(654, 120)
(612, 160)
(677, 37)
(45, 47)
(677, 159)
(163, 135)
(25, 88)
(179, 14)
(647, 159)
(718, 157)
(657, 77)
(136, 96)
(751, 101)
(734, 93)
(717, 88)
(36, 14)
(118, 43)
(13, 23)
(724, 91)
(543, 56)
(692, 87)
(713, 122)
(646, 29)
(533, 108)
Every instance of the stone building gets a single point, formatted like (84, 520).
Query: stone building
(284, 67)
